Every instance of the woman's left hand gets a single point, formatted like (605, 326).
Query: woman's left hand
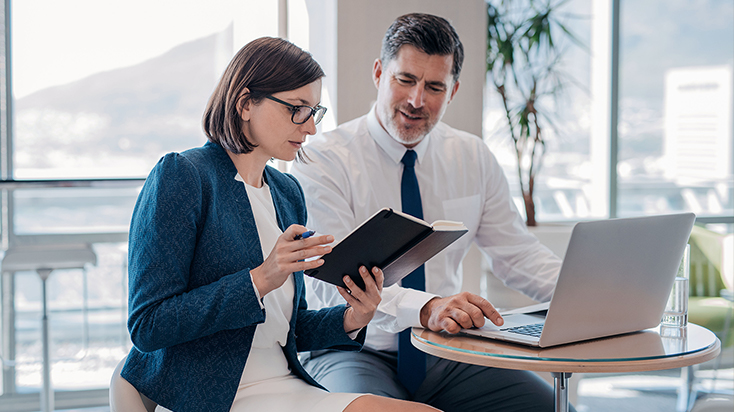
(363, 303)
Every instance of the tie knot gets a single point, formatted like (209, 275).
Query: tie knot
(409, 158)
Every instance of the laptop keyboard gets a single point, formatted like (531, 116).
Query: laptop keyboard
(529, 330)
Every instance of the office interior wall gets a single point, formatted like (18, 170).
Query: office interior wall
(345, 37)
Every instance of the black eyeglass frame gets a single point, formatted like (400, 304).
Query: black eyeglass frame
(296, 108)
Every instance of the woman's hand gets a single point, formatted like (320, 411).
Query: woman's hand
(363, 303)
(287, 257)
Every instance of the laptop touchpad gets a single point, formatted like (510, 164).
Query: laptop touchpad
(512, 321)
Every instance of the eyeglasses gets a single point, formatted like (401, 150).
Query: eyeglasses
(302, 113)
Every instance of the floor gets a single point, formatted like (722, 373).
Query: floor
(644, 392)
(648, 392)
(614, 393)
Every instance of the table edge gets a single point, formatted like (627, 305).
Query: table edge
(673, 362)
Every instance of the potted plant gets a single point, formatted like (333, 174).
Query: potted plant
(523, 57)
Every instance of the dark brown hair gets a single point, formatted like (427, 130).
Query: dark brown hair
(431, 34)
(264, 66)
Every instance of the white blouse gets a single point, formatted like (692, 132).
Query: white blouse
(266, 359)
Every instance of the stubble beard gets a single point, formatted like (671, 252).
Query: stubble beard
(408, 135)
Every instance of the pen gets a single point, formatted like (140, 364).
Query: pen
(305, 235)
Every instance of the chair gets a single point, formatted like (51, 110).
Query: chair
(711, 279)
(123, 395)
(715, 403)
(44, 259)
(710, 302)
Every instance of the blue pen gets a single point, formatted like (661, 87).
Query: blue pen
(305, 235)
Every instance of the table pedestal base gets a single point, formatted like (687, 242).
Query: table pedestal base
(560, 385)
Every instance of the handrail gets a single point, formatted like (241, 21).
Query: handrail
(11, 238)
(50, 183)
(126, 182)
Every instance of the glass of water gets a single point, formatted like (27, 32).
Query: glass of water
(676, 311)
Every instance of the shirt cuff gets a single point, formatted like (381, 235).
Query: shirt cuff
(257, 292)
(353, 334)
(409, 310)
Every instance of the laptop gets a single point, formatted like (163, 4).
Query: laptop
(616, 278)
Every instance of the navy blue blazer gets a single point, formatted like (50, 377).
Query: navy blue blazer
(192, 306)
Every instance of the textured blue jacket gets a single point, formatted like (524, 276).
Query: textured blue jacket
(192, 307)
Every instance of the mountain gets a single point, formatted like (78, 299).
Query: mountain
(136, 112)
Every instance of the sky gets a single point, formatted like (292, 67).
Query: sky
(659, 35)
(56, 42)
(82, 37)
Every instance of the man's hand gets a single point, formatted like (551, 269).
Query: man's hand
(464, 310)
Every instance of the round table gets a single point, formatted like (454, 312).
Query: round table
(651, 349)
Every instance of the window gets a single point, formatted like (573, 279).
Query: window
(107, 88)
(100, 91)
(562, 188)
(675, 145)
(676, 148)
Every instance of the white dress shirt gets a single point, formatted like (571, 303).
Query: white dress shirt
(355, 170)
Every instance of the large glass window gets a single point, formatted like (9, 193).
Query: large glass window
(562, 184)
(675, 145)
(676, 148)
(103, 89)
(87, 323)
(100, 90)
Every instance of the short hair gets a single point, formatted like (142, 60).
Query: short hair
(431, 34)
(264, 66)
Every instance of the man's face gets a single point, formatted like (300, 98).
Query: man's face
(413, 91)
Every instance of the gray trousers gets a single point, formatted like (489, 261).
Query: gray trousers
(449, 386)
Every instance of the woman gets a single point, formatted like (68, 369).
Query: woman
(217, 307)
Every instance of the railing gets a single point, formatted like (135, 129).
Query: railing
(25, 397)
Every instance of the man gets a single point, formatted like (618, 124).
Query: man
(363, 166)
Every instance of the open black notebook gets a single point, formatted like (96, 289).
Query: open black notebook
(393, 241)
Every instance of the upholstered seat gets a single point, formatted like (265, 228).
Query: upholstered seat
(124, 397)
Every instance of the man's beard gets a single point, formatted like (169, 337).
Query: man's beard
(410, 135)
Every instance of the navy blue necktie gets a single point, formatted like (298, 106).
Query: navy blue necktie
(411, 361)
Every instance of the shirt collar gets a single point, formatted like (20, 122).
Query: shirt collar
(239, 178)
(394, 150)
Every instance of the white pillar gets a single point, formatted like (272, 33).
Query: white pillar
(601, 83)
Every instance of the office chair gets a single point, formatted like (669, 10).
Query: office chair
(124, 397)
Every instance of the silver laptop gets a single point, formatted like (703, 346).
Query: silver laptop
(616, 278)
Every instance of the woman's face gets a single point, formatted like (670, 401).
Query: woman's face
(268, 124)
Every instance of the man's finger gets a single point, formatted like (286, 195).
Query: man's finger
(449, 325)
(487, 308)
(463, 318)
(469, 308)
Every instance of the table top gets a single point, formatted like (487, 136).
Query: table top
(647, 350)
